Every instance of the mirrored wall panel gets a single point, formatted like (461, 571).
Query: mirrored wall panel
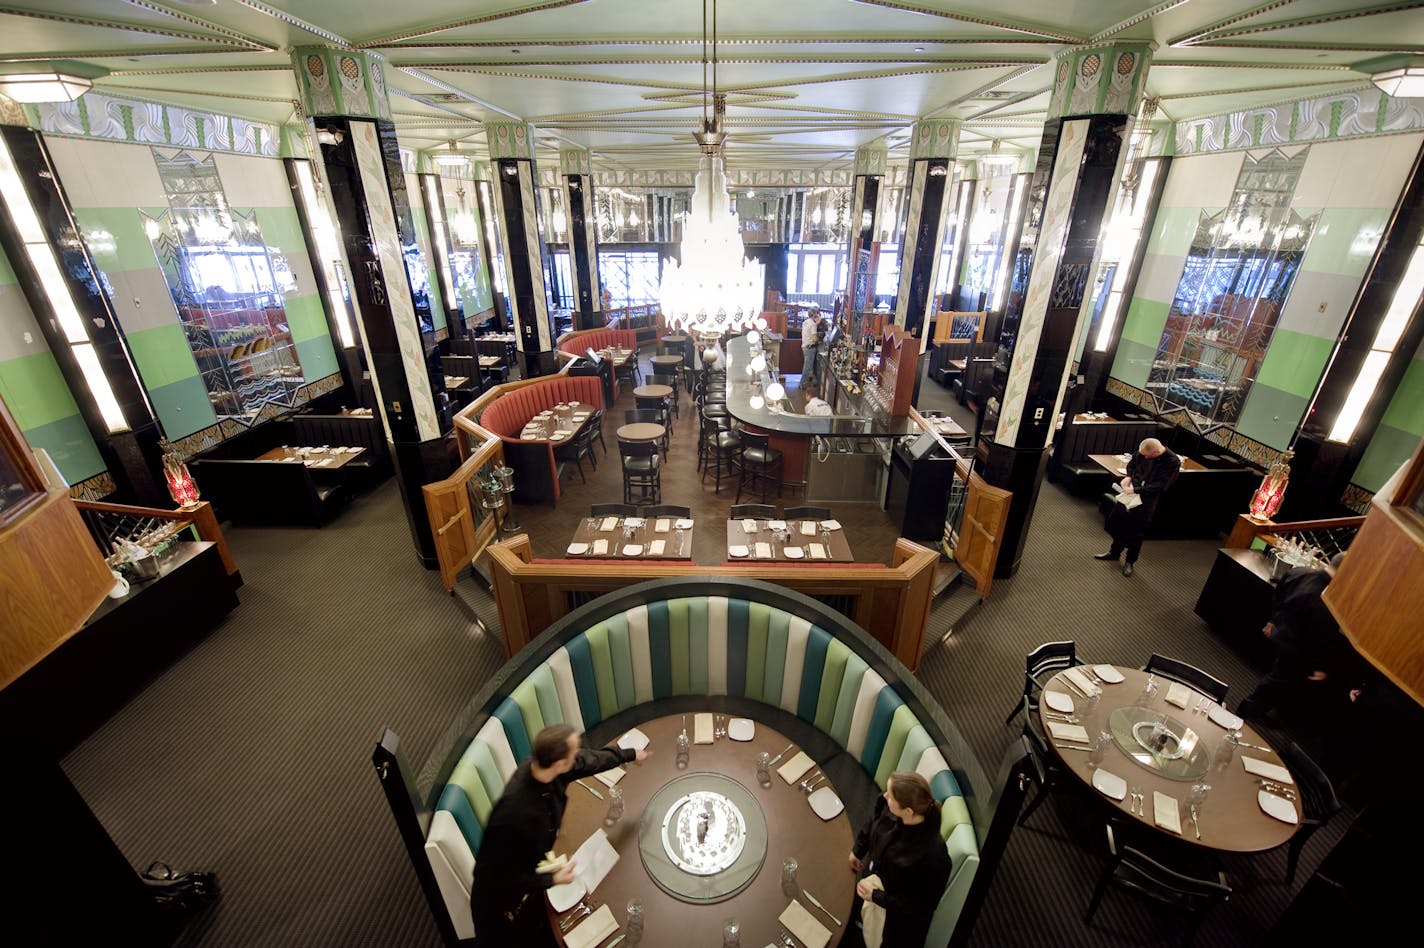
(1239, 271)
(228, 286)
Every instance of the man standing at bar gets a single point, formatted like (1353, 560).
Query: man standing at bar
(1151, 471)
(506, 898)
(810, 345)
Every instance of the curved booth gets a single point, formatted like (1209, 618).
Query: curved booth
(536, 473)
(699, 644)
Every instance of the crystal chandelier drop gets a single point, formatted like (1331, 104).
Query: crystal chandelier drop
(714, 289)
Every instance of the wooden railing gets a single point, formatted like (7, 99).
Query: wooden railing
(1246, 530)
(200, 517)
(891, 602)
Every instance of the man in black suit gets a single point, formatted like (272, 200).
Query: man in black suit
(1151, 471)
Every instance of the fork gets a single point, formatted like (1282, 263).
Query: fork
(1196, 827)
(577, 913)
(808, 787)
(810, 779)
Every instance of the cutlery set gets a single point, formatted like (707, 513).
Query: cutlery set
(1196, 827)
(581, 910)
(1280, 790)
(810, 782)
(1235, 738)
(817, 902)
(777, 759)
(1136, 802)
(1065, 718)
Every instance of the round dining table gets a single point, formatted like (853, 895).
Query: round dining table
(1159, 748)
(641, 431)
(792, 829)
(665, 364)
(653, 391)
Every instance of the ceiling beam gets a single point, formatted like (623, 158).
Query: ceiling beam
(1132, 21)
(819, 59)
(129, 53)
(413, 32)
(1010, 76)
(1008, 25)
(199, 22)
(1317, 20)
(837, 39)
(298, 22)
(1241, 17)
(127, 26)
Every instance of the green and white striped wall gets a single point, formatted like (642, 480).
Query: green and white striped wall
(35, 391)
(1351, 210)
(427, 248)
(109, 184)
(1399, 432)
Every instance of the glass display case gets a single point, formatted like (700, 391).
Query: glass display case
(228, 287)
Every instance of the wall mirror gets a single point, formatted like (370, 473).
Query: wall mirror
(1239, 271)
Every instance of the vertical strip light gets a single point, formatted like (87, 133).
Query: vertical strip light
(1401, 307)
(435, 210)
(327, 248)
(1124, 235)
(56, 290)
(1009, 254)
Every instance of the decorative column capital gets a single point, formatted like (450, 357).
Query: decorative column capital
(334, 81)
(576, 161)
(12, 113)
(873, 159)
(937, 138)
(510, 140)
(1100, 80)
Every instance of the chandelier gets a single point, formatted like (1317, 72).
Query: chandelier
(714, 289)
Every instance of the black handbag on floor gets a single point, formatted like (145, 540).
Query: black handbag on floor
(179, 891)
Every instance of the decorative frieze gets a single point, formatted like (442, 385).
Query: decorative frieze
(1100, 80)
(97, 115)
(1352, 114)
(334, 81)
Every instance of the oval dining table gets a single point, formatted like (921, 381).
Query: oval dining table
(821, 847)
(1230, 819)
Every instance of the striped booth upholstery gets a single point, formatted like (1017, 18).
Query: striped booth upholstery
(687, 639)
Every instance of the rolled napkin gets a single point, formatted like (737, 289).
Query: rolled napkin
(608, 523)
(801, 923)
(808, 528)
(656, 548)
(661, 526)
(796, 767)
(600, 547)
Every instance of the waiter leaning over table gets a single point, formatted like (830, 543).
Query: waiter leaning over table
(506, 898)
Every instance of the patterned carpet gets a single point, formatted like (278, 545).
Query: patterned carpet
(250, 755)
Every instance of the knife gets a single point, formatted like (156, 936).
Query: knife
(615, 941)
(817, 902)
(589, 789)
(778, 757)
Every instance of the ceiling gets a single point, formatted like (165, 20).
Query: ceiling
(807, 81)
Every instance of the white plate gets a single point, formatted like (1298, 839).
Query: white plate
(558, 436)
(1108, 673)
(776, 524)
(1223, 717)
(1279, 807)
(825, 803)
(831, 524)
(564, 897)
(1110, 784)
(737, 551)
(793, 552)
(633, 549)
(741, 729)
(1058, 701)
(684, 524)
(577, 549)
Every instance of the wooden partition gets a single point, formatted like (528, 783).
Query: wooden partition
(891, 602)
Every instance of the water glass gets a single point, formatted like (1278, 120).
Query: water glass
(636, 920)
(1197, 795)
(615, 806)
(1100, 749)
(1149, 690)
(731, 933)
(788, 875)
(763, 769)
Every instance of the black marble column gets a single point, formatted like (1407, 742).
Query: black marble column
(870, 164)
(128, 444)
(577, 168)
(516, 187)
(932, 148)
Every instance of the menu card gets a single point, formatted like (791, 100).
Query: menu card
(763, 550)
(817, 551)
(600, 547)
(1068, 732)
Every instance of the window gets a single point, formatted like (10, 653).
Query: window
(816, 270)
(561, 282)
(632, 277)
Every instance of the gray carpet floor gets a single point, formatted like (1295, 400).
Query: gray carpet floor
(250, 756)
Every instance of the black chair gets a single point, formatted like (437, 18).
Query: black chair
(577, 448)
(760, 463)
(752, 512)
(641, 472)
(1317, 801)
(718, 446)
(1177, 670)
(654, 403)
(1039, 665)
(1045, 771)
(671, 382)
(596, 423)
(651, 416)
(667, 510)
(612, 510)
(1195, 886)
(807, 513)
(629, 373)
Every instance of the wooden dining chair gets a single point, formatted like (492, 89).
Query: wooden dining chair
(1040, 665)
(1188, 674)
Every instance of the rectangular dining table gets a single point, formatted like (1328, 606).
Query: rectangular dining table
(1116, 466)
(323, 459)
(643, 537)
(532, 429)
(837, 549)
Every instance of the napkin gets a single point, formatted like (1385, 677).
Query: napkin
(801, 923)
(610, 777)
(702, 728)
(749, 525)
(808, 528)
(633, 739)
(592, 930)
(1082, 681)
(656, 548)
(817, 551)
(1165, 813)
(600, 547)
(763, 550)
(684, 524)
(661, 526)
(1263, 769)
(795, 768)
(608, 523)
(1068, 732)
(1180, 695)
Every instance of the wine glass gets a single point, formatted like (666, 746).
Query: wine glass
(636, 920)
(1149, 690)
(763, 769)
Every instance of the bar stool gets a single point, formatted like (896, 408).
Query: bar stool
(759, 462)
(724, 447)
(711, 419)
